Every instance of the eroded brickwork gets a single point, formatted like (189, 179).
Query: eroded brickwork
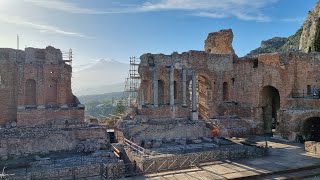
(258, 91)
(35, 88)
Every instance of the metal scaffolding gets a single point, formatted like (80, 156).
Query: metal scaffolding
(132, 83)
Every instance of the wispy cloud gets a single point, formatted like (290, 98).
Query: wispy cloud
(69, 7)
(41, 27)
(294, 20)
(249, 10)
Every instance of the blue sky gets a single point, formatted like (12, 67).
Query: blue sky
(118, 29)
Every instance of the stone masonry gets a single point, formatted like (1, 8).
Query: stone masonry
(35, 88)
(264, 94)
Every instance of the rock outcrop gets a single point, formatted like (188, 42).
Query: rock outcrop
(279, 44)
(220, 42)
(310, 37)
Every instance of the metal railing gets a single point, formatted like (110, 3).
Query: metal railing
(305, 93)
(190, 160)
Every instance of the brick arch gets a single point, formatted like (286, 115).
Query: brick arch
(52, 92)
(145, 87)
(270, 103)
(298, 127)
(30, 92)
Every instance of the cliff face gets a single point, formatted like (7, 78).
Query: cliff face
(310, 37)
(306, 39)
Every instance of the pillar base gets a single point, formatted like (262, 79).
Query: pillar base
(194, 116)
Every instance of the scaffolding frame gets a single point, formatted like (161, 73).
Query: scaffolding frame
(67, 56)
(132, 83)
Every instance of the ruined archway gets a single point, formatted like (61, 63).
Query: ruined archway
(225, 91)
(270, 103)
(161, 92)
(30, 92)
(145, 91)
(204, 97)
(52, 93)
(310, 129)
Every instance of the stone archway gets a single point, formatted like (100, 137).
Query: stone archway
(270, 103)
(204, 97)
(311, 129)
(30, 92)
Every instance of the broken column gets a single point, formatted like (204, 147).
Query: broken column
(155, 87)
(184, 87)
(194, 114)
(172, 85)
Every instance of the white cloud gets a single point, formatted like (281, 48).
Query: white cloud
(69, 7)
(241, 9)
(294, 20)
(249, 10)
(41, 27)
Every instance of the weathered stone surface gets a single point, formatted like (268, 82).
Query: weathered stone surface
(32, 82)
(310, 37)
(220, 42)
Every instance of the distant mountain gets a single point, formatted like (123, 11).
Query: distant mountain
(100, 97)
(101, 77)
(279, 44)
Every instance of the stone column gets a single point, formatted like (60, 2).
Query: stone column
(172, 85)
(155, 87)
(142, 98)
(184, 87)
(194, 113)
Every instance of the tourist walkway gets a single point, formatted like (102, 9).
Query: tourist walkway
(284, 160)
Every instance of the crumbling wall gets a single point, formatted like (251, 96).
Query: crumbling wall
(22, 142)
(219, 42)
(35, 78)
(8, 85)
(47, 117)
(233, 87)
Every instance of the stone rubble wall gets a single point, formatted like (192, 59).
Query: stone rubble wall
(47, 117)
(23, 142)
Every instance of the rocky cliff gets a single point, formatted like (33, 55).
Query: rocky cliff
(306, 39)
(310, 37)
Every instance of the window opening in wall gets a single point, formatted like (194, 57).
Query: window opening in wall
(309, 90)
(225, 90)
(233, 80)
(175, 90)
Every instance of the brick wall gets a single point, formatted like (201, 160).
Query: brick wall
(42, 117)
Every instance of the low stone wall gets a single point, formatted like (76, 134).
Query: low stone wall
(165, 112)
(20, 142)
(38, 117)
(110, 171)
(312, 147)
(165, 129)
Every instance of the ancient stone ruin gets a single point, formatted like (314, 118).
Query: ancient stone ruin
(268, 93)
(42, 128)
